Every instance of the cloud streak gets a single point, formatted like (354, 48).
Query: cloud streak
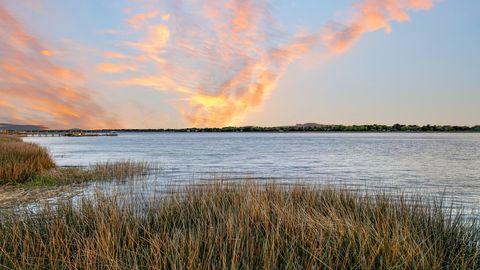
(36, 90)
(370, 16)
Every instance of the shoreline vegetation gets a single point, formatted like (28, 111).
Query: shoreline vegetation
(28, 173)
(312, 127)
(226, 225)
(308, 127)
(21, 161)
(241, 226)
(25, 164)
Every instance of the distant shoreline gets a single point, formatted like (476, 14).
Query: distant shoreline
(397, 128)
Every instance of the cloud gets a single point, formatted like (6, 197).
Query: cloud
(47, 52)
(158, 36)
(140, 19)
(222, 58)
(115, 67)
(220, 71)
(370, 16)
(36, 90)
(114, 55)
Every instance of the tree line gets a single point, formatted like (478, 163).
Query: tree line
(322, 128)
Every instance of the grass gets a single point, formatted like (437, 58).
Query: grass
(241, 227)
(21, 161)
(109, 171)
(29, 165)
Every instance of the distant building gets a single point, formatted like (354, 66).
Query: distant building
(76, 132)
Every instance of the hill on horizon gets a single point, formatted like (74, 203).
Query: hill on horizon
(18, 127)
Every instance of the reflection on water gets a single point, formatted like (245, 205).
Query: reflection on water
(446, 165)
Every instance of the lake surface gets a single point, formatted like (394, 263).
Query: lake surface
(434, 164)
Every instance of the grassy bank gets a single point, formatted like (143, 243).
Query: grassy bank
(29, 165)
(241, 227)
(20, 161)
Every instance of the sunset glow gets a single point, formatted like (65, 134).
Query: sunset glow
(189, 63)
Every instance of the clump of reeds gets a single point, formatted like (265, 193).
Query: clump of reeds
(242, 227)
(20, 161)
(9, 138)
(127, 169)
(108, 171)
(30, 165)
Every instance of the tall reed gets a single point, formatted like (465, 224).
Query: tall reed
(20, 161)
(241, 227)
(31, 165)
(99, 172)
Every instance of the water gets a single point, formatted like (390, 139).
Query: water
(446, 165)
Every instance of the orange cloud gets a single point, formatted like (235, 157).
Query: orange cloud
(160, 83)
(224, 57)
(245, 15)
(370, 16)
(158, 37)
(115, 55)
(139, 20)
(115, 67)
(47, 52)
(36, 90)
(222, 72)
(166, 17)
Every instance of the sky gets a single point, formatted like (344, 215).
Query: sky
(213, 63)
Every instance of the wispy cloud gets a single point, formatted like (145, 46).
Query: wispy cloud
(223, 58)
(140, 19)
(370, 16)
(114, 55)
(36, 90)
(115, 67)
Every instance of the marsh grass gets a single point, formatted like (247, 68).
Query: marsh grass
(9, 138)
(21, 161)
(108, 171)
(239, 226)
(29, 165)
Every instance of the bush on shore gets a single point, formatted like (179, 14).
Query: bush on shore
(21, 161)
(241, 227)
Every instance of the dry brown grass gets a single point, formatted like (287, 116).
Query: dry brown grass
(241, 227)
(9, 138)
(21, 161)
(109, 171)
(29, 165)
(123, 169)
